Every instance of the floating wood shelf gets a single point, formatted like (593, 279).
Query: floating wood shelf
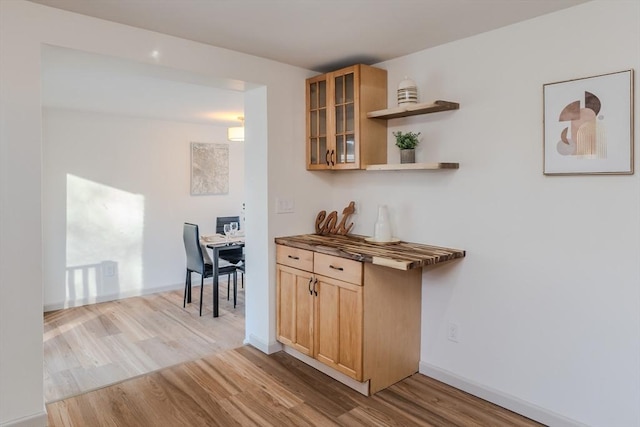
(413, 110)
(413, 166)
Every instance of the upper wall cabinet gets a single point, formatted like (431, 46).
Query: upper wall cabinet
(339, 136)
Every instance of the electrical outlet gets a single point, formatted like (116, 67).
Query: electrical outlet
(452, 332)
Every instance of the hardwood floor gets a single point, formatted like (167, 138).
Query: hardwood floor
(248, 388)
(100, 344)
(146, 361)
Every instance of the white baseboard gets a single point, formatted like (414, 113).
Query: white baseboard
(507, 401)
(35, 420)
(111, 297)
(362, 388)
(267, 348)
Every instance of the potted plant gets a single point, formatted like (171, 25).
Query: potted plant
(407, 143)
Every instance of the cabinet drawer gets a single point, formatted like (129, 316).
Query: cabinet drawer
(294, 257)
(338, 268)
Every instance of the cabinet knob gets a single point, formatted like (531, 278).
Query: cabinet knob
(331, 157)
(315, 291)
(326, 157)
(309, 286)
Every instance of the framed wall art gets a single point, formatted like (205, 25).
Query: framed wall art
(588, 125)
(209, 169)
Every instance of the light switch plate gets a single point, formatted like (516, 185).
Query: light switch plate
(285, 205)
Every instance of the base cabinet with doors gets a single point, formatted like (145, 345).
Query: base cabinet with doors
(339, 134)
(359, 319)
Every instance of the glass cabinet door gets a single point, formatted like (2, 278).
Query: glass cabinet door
(339, 134)
(317, 150)
(344, 119)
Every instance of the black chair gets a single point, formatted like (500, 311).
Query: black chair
(233, 256)
(196, 264)
(241, 267)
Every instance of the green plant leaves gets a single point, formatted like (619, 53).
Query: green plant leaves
(406, 140)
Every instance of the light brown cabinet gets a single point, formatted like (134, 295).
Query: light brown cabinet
(339, 135)
(321, 316)
(359, 319)
(295, 309)
(338, 313)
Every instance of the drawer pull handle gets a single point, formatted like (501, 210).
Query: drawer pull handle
(293, 257)
(326, 157)
(336, 268)
(315, 291)
(309, 286)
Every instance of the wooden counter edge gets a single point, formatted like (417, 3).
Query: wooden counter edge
(391, 261)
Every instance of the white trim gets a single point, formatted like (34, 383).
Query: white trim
(507, 401)
(362, 388)
(35, 420)
(112, 297)
(256, 342)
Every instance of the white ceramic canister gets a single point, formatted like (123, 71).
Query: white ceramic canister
(382, 229)
(407, 92)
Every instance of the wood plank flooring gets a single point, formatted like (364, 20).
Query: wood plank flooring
(248, 388)
(100, 344)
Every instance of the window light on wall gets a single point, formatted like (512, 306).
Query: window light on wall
(236, 133)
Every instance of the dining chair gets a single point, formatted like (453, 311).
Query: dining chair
(196, 264)
(241, 269)
(233, 256)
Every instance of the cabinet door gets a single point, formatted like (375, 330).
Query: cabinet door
(339, 134)
(338, 325)
(318, 149)
(345, 153)
(294, 318)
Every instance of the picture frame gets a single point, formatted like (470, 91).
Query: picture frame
(209, 169)
(588, 125)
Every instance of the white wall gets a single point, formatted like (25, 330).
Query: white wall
(116, 189)
(547, 300)
(275, 88)
(548, 312)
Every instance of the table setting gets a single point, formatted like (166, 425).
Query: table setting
(232, 239)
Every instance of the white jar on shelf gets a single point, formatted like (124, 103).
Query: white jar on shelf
(407, 92)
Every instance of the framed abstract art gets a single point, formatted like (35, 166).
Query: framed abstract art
(588, 125)
(209, 169)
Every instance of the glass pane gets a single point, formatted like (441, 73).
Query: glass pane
(351, 149)
(322, 150)
(340, 149)
(349, 91)
(322, 94)
(322, 122)
(313, 92)
(313, 126)
(339, 119)
(339, 90)
(314, 151)
(350, 123)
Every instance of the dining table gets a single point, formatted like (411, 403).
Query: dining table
(219, 243)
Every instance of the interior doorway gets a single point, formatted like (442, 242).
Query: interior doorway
(116, 160)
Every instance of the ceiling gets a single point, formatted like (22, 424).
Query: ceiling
(320, 35)
(83, 81)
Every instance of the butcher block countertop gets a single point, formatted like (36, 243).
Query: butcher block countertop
(401, 255)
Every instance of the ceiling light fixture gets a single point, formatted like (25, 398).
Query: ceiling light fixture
(236, 133)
